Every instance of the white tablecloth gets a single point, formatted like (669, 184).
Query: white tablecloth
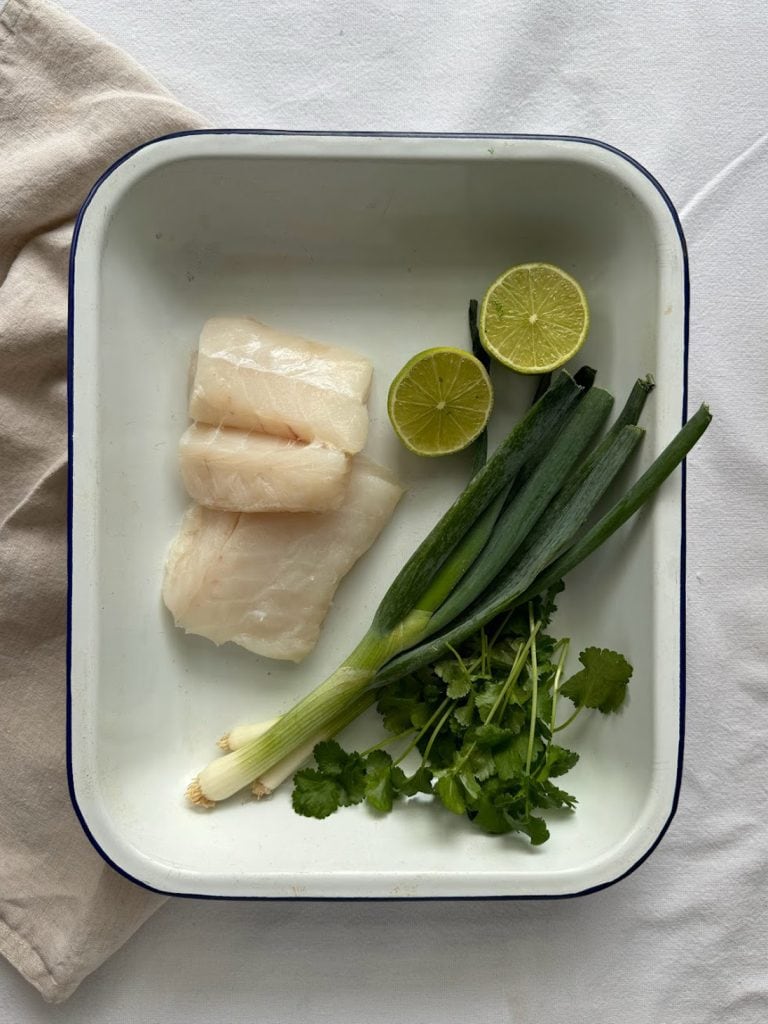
(683, 87)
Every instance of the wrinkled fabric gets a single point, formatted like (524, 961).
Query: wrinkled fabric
(70, 104)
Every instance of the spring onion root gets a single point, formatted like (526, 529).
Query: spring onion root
(194, 795)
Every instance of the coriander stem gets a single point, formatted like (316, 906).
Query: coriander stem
(556, 685)
(534, 693)
(482, 658)
(434, 735)
(432, 718)
(568, 721)
(462, 663)
(514, 673)
(501, 628)
(386, 741)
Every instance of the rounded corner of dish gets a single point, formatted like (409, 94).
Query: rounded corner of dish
(108, 845)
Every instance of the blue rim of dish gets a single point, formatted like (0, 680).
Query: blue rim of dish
(683, 491)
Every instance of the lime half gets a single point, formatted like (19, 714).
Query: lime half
(440, 401)
(534, 318)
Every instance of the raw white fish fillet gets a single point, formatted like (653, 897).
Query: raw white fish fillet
(255, 377)
(266, 580)
(239, 471)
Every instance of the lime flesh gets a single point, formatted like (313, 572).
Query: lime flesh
(440, 401)
(534, 318)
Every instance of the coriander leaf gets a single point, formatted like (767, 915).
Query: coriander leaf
(378, 760)
(314, 794)
(559, 797)
(420, 715)
(330, 757)
(352, 781)
(486, 697)
(443, 750)
(497, 807)
(504, 653)
(546, 795)
(396, 713)
(410, 785)
(491, 736)
(455, 675)
(545, 646)
(602, 683)
(458, 687)
(535, 828)
(465, 713)
(510, 761)
(514, 718)
(501, 809)
(456, 728)
(379, 788)
(491, 818)
(481, 764)
(544, 605)
(449, 791)
(559, 760)
(470, 784)
(400, 702)
(346, 770)
(544, 712)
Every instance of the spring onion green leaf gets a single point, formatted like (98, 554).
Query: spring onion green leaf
(626, 507)
(479, 446)
(521, 513)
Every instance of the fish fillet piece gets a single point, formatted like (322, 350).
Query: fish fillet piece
(239, 471)
(266, 580)
(255, 377)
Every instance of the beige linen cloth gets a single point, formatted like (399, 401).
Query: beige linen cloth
(70, 104)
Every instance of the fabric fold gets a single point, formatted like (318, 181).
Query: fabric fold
(70, 105)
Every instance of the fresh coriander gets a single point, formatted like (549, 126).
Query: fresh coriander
(483, 721)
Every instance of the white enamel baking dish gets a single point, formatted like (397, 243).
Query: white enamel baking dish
(375, 242)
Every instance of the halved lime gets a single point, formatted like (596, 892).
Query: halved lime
(534, 318)
(440, 401)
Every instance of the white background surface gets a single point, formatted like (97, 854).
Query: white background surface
(681, 86)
